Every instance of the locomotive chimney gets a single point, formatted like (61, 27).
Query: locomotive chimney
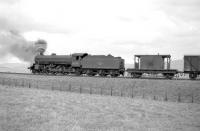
(41, 46)
(40, 51)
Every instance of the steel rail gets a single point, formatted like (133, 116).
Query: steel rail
(125, 77)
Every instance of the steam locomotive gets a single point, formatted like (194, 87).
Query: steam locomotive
(78, 64)
(102, 65)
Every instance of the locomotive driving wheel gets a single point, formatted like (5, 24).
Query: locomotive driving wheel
(78, 72)
(33, 71)
(102, 73)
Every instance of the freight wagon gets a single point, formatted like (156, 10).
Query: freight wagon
(192, 65)
(152, 64)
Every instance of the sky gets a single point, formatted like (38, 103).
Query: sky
(118, 27)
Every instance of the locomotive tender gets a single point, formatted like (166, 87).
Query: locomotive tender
(79, 63)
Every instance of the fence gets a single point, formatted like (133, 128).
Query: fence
(132, 91)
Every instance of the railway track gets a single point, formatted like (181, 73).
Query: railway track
(126, 77)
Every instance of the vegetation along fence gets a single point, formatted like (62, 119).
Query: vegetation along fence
(133, 90)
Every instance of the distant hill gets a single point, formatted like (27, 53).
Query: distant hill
(14, 67)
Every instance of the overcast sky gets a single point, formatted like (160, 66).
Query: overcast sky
(118, 27)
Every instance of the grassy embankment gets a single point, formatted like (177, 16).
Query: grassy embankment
(25, 109)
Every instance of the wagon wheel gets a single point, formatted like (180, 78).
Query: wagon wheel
(102, 74)
(169, 76)
(46, 72)
(88, 73)
(193, 76)
(136, 75)
(116, 75)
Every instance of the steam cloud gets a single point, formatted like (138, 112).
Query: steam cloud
(11, 42)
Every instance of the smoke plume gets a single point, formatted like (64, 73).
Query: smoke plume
(12, 43)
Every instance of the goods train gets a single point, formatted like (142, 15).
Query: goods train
(102, 65)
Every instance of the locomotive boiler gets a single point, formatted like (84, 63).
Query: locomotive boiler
(53, 64)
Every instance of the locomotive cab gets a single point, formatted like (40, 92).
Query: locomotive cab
(76, 59)
(76, 62)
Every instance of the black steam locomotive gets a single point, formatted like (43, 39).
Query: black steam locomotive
(79, 63)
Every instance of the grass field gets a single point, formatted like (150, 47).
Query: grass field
(23, 109)
(164, 90)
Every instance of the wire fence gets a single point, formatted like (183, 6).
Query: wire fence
(133, 91)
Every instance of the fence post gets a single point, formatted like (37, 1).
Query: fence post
(23, 83)
(70, 86)
(179, 97)
(154, 97)
(16, 83)
(166, 98)
(11, 83)
(90, 90)
(65, 87)
(80, 89)
(133, 86)
(192, 97)
(143, 95)
(52, 87)
(60, 87)
(8, 82)
(121, 92)
(111, 91)
(29, 85)
(132, 92)
(37, 85)
(3, 82)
